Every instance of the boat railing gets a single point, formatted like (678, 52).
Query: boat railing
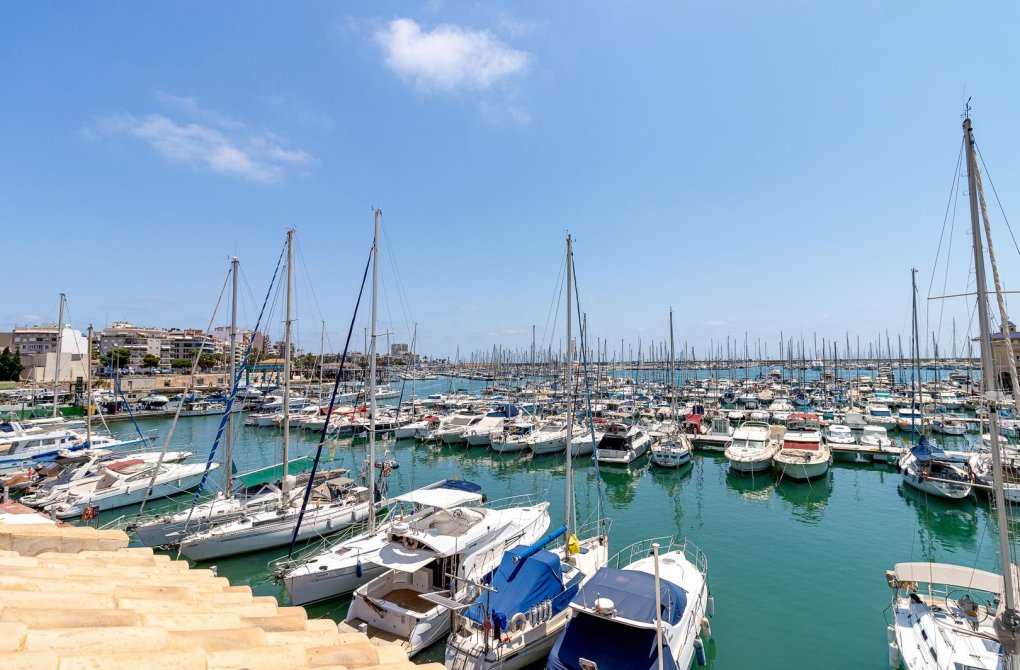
(519, 500)
(667, 544)
(280, 566)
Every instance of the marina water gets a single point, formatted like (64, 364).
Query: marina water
(797, 569)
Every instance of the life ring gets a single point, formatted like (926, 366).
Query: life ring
(517, 622)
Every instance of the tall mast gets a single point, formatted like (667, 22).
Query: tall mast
(988, 378)
(286, 361)
(88, 390)
(672, 369)
(915, 387)
(228, 454)
(570, 388)
(56, 363)
(371, 372)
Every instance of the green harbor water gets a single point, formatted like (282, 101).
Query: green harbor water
(797, 569)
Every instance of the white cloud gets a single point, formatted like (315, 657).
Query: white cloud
(219, 144)
(448, 57)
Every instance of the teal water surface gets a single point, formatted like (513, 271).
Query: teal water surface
(797, 569)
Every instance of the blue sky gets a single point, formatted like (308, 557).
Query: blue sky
(760, 167)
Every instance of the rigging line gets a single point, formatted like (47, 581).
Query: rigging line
(230, 398)
(949, 253)
(401, 291)
(308, 279)
(558, 291)
(945, 217)
(996, 194)
(329, 415)
(177, 412)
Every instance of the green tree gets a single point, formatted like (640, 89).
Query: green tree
(150, 361)
(180, 363)
(16, 366)
(6, 365)
(116, 358)
(207, 360)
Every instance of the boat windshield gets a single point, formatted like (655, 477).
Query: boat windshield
(748, 444)
(880, 412)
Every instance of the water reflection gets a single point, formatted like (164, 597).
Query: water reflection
(621, 483)
(755, 487)
(806, 500)
(946, 524)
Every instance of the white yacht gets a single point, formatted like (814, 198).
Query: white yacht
(20, 446)
(430, 568)
(616, 615)
(879, 414)
(838, 433)
(451, 430)
(927, 468)
(342, 567)
(804, 455)
(944, 617)
(334, 505)
(126, 482)
(88, 467)
(549, 438)
(622, 444)
(754, 446)
(673, 451)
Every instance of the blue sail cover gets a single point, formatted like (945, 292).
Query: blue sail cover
(925, 451)
(461, 485)
(521, 583)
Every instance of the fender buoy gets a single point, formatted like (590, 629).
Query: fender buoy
(517, 622)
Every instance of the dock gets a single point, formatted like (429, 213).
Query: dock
(79, 597)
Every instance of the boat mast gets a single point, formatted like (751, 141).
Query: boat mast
(88, 390)
(672, 370)
(229, 451)
(56, 363)
(1009, 616)
(286, 363)
(658, 605)
(915, 387)
(570, 392)
(371, 374)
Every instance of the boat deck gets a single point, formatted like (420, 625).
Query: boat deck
(410, 599)
(379, 634)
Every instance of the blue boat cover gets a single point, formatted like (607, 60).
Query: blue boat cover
(611, 644)
(461, 485)
(506, 410)
(925, 451)
(521, 583)
(633, 595)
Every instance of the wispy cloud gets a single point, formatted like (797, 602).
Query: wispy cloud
(448, 57)
(209, 140)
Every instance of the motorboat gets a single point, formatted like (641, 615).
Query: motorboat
(341, 567)
(879, 414)
(430, 568)
(673, 451)
(754, 446)
(804, 455)
(838, 433)
(622, 444)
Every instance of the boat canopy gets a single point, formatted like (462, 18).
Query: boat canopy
(440, 498)
(694, 418)
(949, 575)
(633, 596)
(521, 582)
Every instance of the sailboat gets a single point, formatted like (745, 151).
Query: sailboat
(674, 449)
(515, 619)
(648, 611)
(945, 616)
(336, 503)
(925, 466)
